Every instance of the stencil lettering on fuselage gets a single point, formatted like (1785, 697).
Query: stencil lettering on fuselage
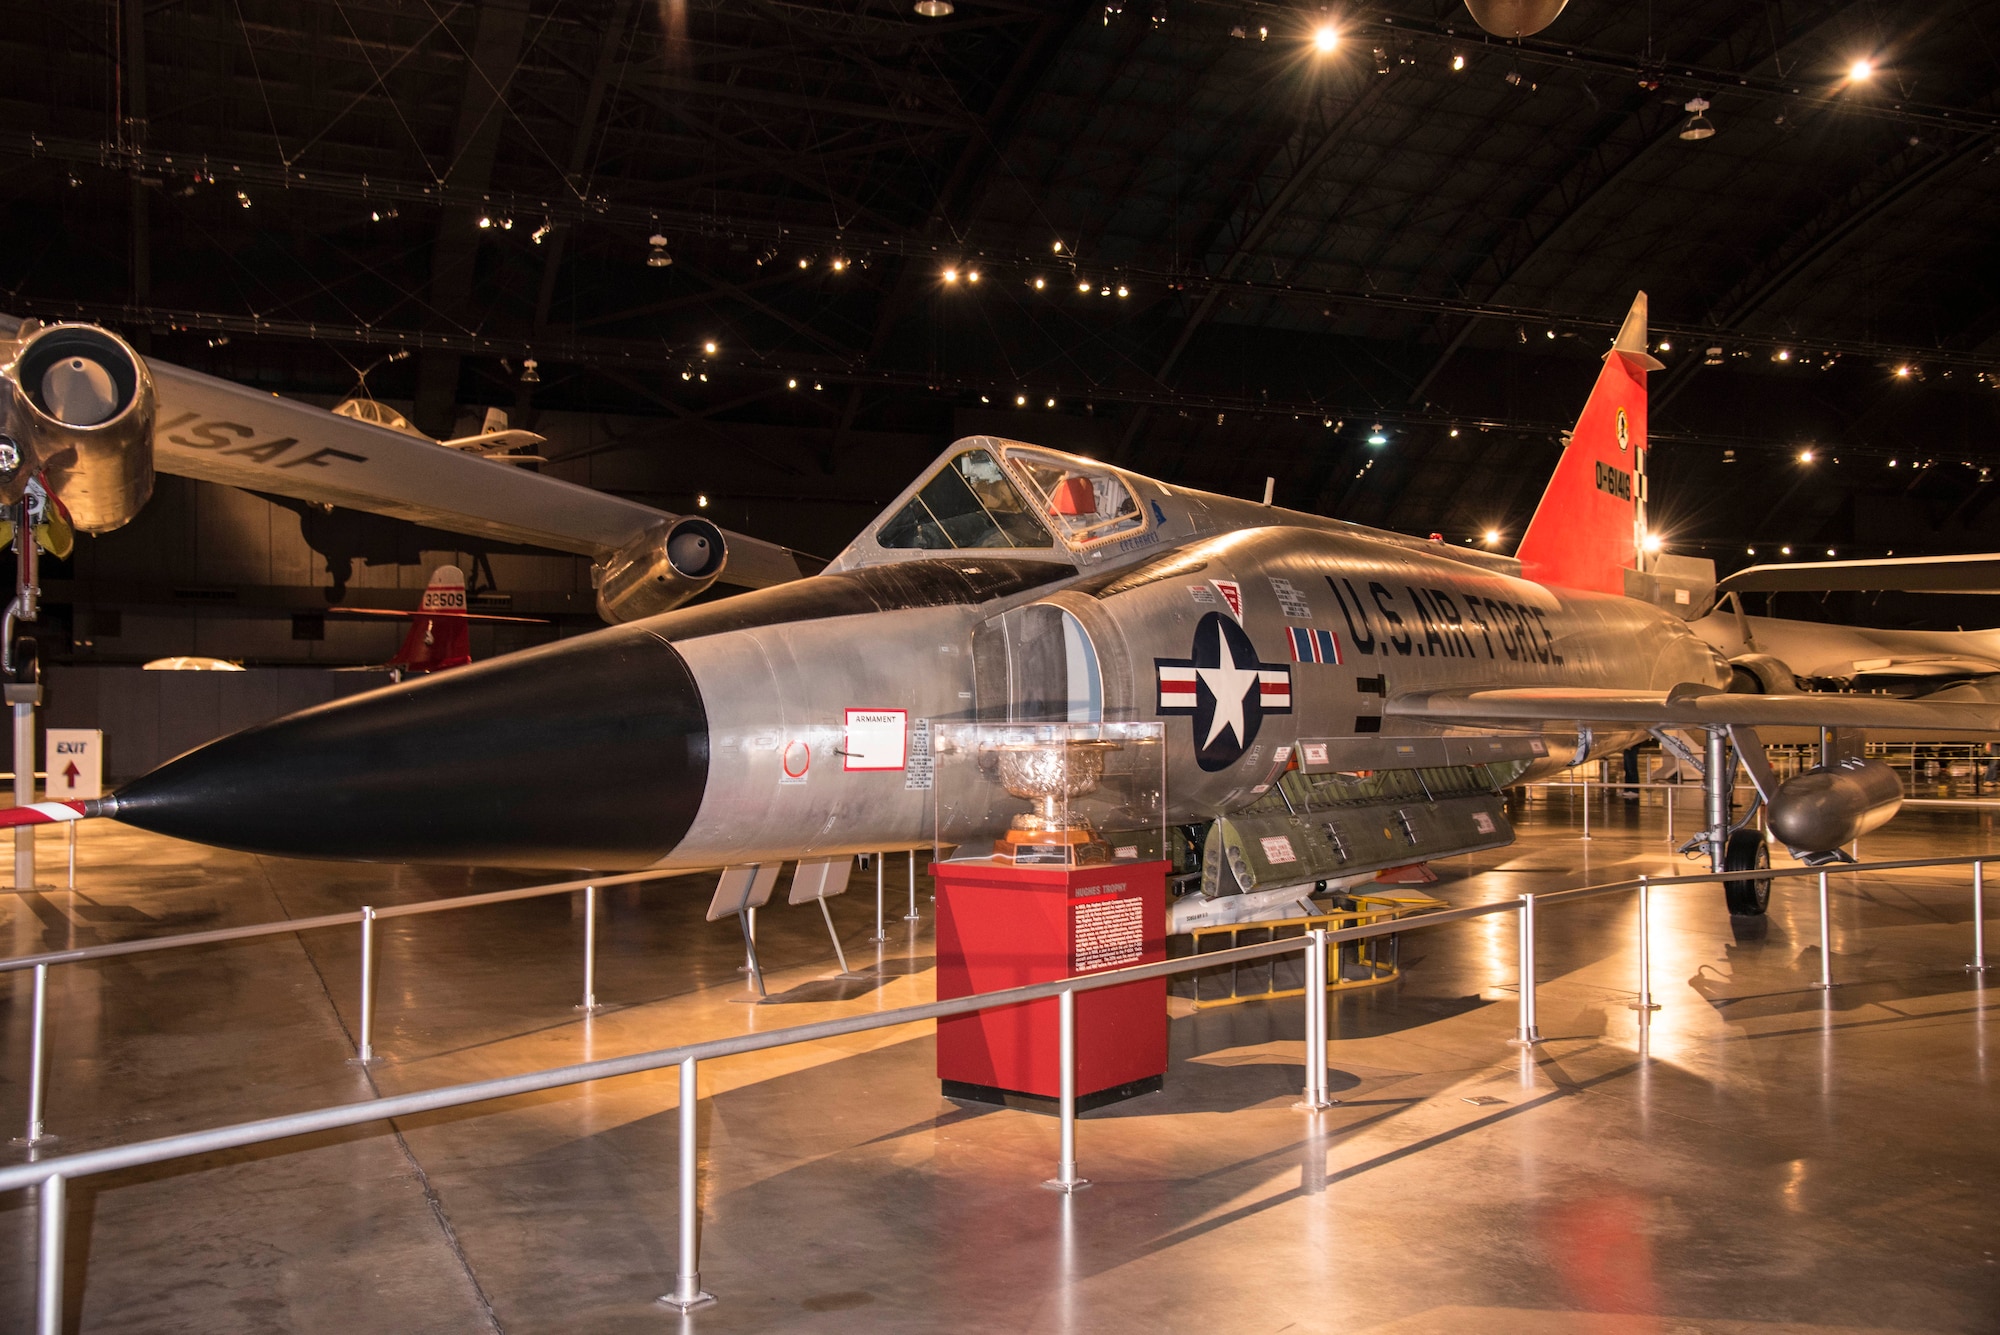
(1432, 623)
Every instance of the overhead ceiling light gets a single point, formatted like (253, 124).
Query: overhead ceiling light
(1375, 436)
(1454, 433)
(1457, 61)
(1861, 69)
(1039, 284)
(1492, 534)
(1083, 285)
(1903, 373)
(1751, 550)
(1050, 404)
(934, 9)
(1805, 456)
(1666, 345)
(1325, 38)
(1652, 542)
(657, 258)
(1829, 551)
(531, 371)
(950, 275)
(792, 384)
(701, 501)
(1020, 400)
(1124, 291)
(972, 275)
(1698, 126)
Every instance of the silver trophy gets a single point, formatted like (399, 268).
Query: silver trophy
(1050, 774)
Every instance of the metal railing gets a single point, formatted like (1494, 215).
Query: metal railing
(366, 917)
(51, 1176)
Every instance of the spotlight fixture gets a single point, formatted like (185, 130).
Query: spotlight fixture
(1784, 551)
(972, 275)
(1902, 372)
(1375, 436)
(1124, 291)
(805, 261)
(657, 258)
(1698, 126)
(1782, 355)
(792, 384)
(1326, 422)
(1457, 61)
(838, 264)
(1805, 456)
(1652, 542)
(1666, 345)
(1325, 38)
(484, 222)
(1058, 248)
(1861, 70)
(709, 347)
(531, 371)
(1381, 59)
(541, 234)
(1492, 534)
(1039, 284)
(933, 9)
(1829, 551)
(1454, 433)
(1751, 551)
(950, 275)
(1083, 286)
(816, 384)
(1712, 357)
(701, 500)
(1050, 404)
(243, 199)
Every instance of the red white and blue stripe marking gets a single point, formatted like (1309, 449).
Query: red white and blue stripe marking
(1313, 646)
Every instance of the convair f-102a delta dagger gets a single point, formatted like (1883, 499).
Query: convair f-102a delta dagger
(1336, 700)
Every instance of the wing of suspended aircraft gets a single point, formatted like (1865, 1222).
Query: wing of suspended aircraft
(1689, 706)
(1978, 573)
(217, 431)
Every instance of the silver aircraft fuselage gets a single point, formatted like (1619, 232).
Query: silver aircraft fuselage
(713, 734)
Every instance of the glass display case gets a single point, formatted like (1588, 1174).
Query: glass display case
(1050, 794)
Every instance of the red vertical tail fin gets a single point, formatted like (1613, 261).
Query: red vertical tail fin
(1586, 531)
(438, 637)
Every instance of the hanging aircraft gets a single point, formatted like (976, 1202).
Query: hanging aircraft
(494, 440)
(1337, 701)
(85, 418)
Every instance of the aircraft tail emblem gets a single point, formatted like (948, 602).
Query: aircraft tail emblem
(1585, 533)
(438, 637)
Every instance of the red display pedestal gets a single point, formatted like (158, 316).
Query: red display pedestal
(1002, 926)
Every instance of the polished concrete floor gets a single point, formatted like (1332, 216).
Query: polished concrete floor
(1760, 1157)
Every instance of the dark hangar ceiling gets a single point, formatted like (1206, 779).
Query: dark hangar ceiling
(1217, 250)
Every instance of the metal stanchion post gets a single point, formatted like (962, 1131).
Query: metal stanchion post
(912, 915)
(1670, 813)
(1066, 1179)
(1586, 804)
(1527, 1035)
(1979, 964)
(367, 1048)
(38, 1062)
(1645, 1003)
(72, 853)
(688, 1293)
(1315, 1095)
(880, 935)
(24, 788)
(1825, 937)
(589, 1005)
(49, 1282)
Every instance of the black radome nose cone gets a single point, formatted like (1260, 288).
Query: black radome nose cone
(589, 753)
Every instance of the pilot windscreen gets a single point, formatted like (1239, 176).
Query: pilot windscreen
(969, 503)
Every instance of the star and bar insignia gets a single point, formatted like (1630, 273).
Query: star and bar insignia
(1224, 688)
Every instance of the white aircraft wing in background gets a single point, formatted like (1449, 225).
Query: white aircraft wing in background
(217, 431)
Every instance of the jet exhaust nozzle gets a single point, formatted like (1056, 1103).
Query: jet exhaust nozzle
(1826, 808)
(588, 753)
(79, 410)
(662, 570)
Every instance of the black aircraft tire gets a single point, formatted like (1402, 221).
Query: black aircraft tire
(1747, 851)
